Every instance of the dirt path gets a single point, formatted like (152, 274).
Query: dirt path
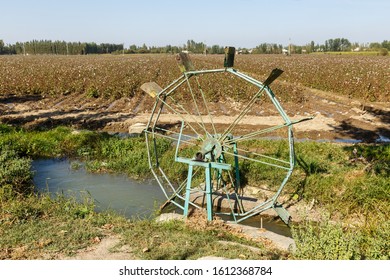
(335, 117)
(108, 248)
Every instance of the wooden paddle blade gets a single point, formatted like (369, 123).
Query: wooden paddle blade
(229, 56)
(273, 76)
(151, 88)
(185, 63)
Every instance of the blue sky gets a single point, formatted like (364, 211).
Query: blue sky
(244, 23)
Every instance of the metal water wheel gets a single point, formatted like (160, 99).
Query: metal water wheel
(219, 153)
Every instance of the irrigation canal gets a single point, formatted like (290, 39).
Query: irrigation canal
(126, 196)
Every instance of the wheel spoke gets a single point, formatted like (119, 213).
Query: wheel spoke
(181, 116)
(174, 132)
(201, 123)
(259, 161)
(169, 137)
(263, 131)
(264, 156)
(206, 106)
(239, 202)
(247, 108)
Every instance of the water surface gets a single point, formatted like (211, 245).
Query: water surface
(126, 196)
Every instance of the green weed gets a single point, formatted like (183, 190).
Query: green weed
(15, 174)
(327, 240)
(93, 93)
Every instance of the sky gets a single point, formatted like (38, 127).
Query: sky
(240, 23)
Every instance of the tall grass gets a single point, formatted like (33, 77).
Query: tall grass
(14, 172)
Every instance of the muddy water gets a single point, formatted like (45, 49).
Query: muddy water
(128, 197)
(270, 223)
(274, 224)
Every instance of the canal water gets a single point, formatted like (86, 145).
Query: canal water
(126, 196)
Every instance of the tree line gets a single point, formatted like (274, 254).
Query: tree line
(330, 45)
(58, 47)
(83, 48)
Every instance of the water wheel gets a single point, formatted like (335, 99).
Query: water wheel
(220, 152)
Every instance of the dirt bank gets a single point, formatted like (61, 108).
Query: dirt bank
(335, 117)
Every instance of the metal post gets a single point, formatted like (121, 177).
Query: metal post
(188, 190)
(209, 194)
(236, 167)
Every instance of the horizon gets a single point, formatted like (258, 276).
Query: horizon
(244, 24)
(183, 45)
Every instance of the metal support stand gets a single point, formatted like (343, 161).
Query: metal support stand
(208, 183)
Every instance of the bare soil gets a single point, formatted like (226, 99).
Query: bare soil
(335, 117)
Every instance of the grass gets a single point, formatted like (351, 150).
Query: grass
(193, 239)
(40, 227)
(349, 184)
(327, 240)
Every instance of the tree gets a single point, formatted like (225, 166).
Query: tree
(337, 45)
(268, 48)
(386, 44)
(375, 46)
(312, 46)
(345, 45)
(168, 49)
(143, 49)
(1, 46)
(216, 49)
